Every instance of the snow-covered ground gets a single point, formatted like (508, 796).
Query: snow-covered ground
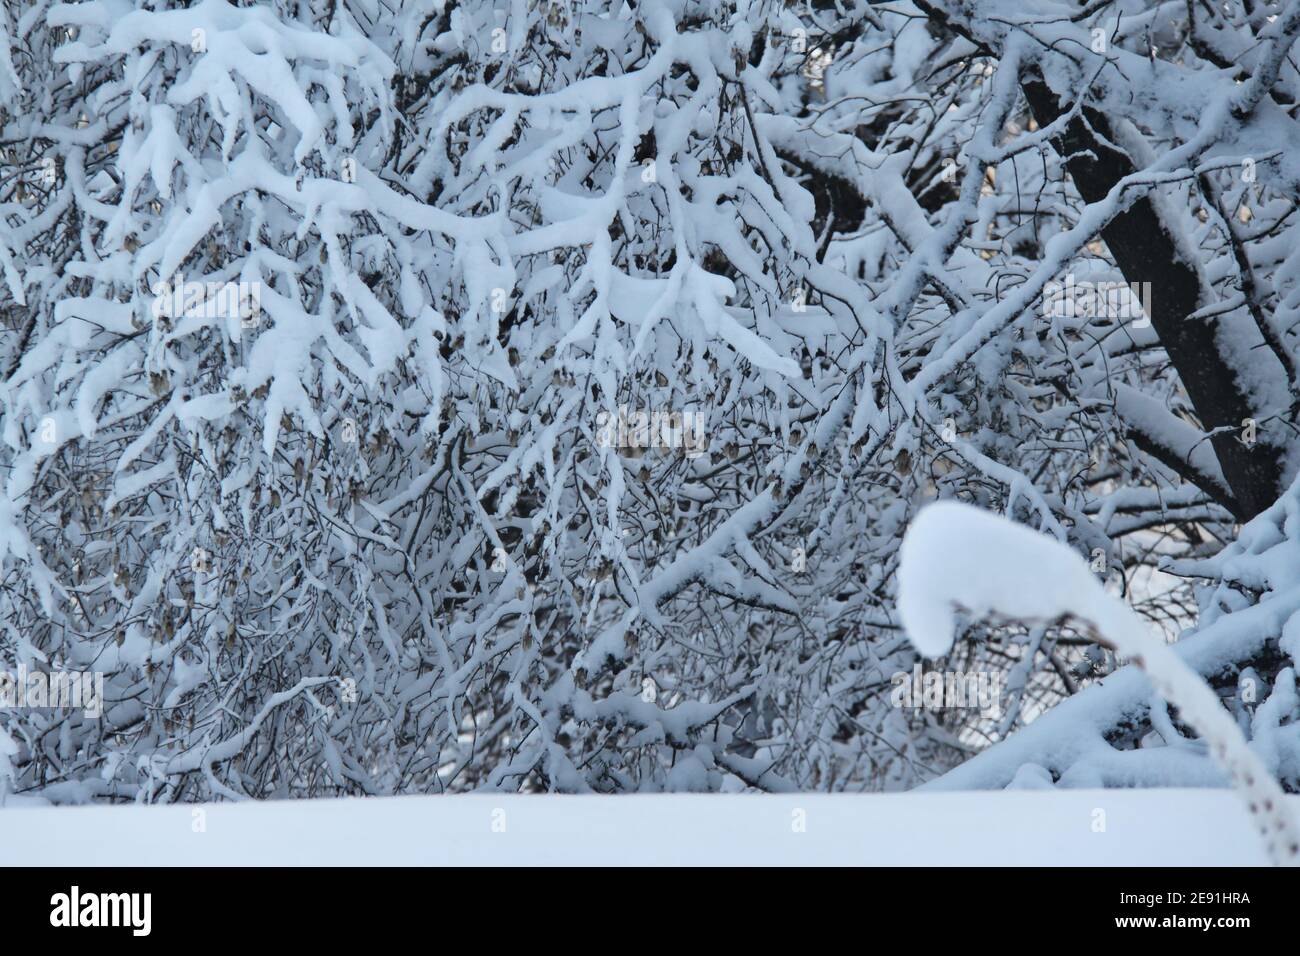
(1077, 827)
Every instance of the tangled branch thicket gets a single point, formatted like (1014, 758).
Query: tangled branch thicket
(376, 539)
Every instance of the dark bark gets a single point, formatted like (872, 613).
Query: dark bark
(1145, 252)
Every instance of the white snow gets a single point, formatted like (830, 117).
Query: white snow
(1077, 827)
(956, 556)
(469, 234)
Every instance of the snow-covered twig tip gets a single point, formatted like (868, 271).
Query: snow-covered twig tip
(955, 556)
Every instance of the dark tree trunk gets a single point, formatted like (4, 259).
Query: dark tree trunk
(1145, 252)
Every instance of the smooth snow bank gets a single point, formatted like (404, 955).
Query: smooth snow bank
(1141, 828)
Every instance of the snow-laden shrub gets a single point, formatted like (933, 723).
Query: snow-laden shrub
(335, 334)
